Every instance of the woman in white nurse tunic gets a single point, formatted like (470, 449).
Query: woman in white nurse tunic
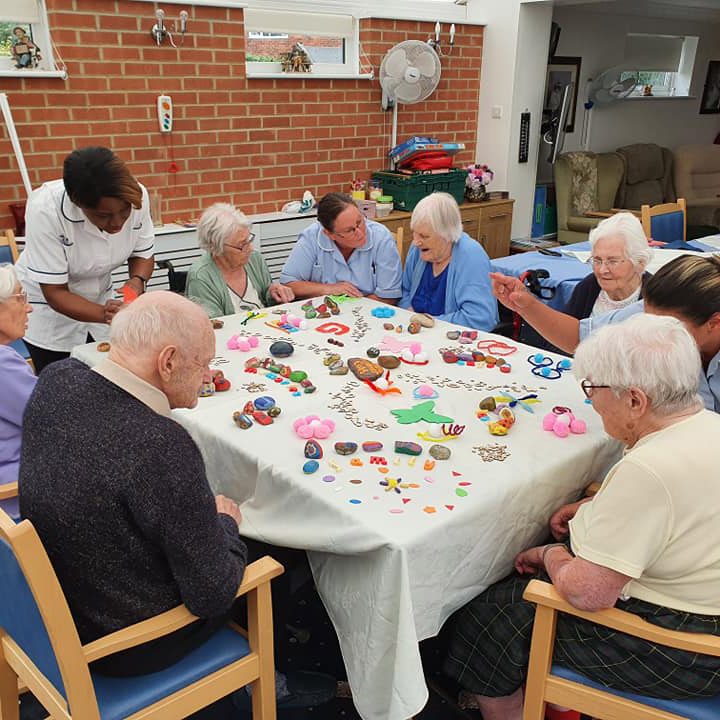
(79, 229)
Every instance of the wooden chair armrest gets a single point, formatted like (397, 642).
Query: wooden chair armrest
(8, 490)
(257, 573)
(636, 213)
(598, 213)
(592, 489)
(543, 593)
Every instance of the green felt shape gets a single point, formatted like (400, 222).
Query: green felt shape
(422, 411)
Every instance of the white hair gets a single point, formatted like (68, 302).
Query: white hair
(218, 224)
(652, 353)
(8, 282)
(441, 212)
(630, 229)
(156, 320)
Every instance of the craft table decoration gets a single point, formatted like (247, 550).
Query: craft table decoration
(385, 311)
(386, 553)
(422, 412)
(562, 422)
(542, 366)
(242, 343)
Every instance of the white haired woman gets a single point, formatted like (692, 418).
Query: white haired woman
(619, 255)
(232, 277)
(648, 542)
(446, 272)
(16, 379)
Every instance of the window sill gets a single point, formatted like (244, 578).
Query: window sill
(34, 73)
(311, 76)
(662, 97)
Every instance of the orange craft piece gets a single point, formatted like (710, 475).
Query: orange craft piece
(128, 294)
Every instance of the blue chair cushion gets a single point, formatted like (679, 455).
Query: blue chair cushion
(121, 697)
(695, 709)
(20, 348)
(668, 227)
(6, 255)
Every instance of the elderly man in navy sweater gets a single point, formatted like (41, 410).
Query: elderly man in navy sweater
(118, 493)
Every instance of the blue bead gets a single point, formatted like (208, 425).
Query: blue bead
(310, 467)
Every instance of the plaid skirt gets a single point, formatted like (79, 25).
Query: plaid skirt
(489, 648)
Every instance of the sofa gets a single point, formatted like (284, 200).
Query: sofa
(697, 179)
(648, 176)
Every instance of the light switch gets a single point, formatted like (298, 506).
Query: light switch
(496, 112)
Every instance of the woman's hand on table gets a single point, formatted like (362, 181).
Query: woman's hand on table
(281, 293)
(343, 288)
(562, 516)
(228, 507)
(110, 309)
(511, 292)
(529, 561)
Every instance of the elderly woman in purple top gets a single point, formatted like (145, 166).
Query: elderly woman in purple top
(16, 379)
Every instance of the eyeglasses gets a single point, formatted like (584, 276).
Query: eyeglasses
(588, 388)
(248, 241)
(21, 297)
(609, 263)
(353, 231)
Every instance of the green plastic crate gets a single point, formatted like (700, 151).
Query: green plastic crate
(408, 190)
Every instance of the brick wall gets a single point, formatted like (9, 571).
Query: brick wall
(254, 142)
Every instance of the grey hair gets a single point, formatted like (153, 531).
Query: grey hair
(156, 320)
(441, 212)
(631, 230)
(218, 224)
(653, 353)
(8, 281)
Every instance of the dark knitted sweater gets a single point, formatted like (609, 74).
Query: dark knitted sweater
(582, 301)
(120, 499)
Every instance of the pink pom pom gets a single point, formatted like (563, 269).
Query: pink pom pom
(283, 319)
(415, 348)
(561, 430)
(548, 422)
(232, 343)
(305, 432)
(243, 346)
(578, 427)
(253, 341)
(294, 321)
(322, 431)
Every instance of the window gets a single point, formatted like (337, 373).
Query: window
(663, 64)
(25, 45)
(274, 38)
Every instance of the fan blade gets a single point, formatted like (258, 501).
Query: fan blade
(395, 63)
(426, 63)
(408, 93)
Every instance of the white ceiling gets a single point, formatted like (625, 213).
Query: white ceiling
(702, 10)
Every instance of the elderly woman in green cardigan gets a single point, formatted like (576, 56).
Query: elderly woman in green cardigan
(232, 277)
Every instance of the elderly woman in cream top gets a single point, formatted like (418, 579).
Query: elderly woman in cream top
(648, 542)
(232, 277)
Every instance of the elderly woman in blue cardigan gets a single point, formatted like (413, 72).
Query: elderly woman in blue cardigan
(446, 272)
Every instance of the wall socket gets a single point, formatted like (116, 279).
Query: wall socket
(496, 112)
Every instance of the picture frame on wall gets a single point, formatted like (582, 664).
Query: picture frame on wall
(561, 71)
(710, 103)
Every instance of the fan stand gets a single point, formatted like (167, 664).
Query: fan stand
(393, 133)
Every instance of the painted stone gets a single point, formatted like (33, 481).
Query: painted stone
(345, 448)
(206, 389)
(452, 334)
(309, 389)
(388, 326)
(249, 407)
(460, 492)
(373, 352)
(306, 383)
(274, 411)
(363, 369)
(253, 362)
(274, 369)
(465, 357)
(298, 375)
(336, 365)
(285, 371)
(339, 370)
(262, 418)
(449, 357)
(372, 446)
(500, 362)
(217, 323)
(478, 356)
(313, 450)
(332, 306)
(389, 362)
(414, 328)
(423, 319)
(403, 447)
(242, 420)
(331, 359)
(439, 452)
(324, 315)
(488, 403)
(310, 467)
(281, 348)
(310, 314)
(264, 402)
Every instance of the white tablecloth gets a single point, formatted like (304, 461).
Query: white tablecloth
(390, 579)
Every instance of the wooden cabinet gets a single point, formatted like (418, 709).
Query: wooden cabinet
(488, 222)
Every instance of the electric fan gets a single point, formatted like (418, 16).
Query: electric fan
(409, 74)
(610, 86)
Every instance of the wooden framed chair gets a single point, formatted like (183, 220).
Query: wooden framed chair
(555, 684)
(39, 646)
(9, 492)
(666, 222)
(8, 247)
(399, 236)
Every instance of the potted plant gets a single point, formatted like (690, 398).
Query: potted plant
(478, 178)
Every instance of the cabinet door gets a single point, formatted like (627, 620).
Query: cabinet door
(471, 221)
(495, 229)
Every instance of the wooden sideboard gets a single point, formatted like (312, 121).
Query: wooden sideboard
(488, 222)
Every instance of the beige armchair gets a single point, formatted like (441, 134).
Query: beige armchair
(585, 183)
(697, 179)
(647, 179)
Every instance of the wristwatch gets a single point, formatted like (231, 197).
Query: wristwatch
(142, 280)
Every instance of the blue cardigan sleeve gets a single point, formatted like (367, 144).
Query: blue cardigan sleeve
(469, 299)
